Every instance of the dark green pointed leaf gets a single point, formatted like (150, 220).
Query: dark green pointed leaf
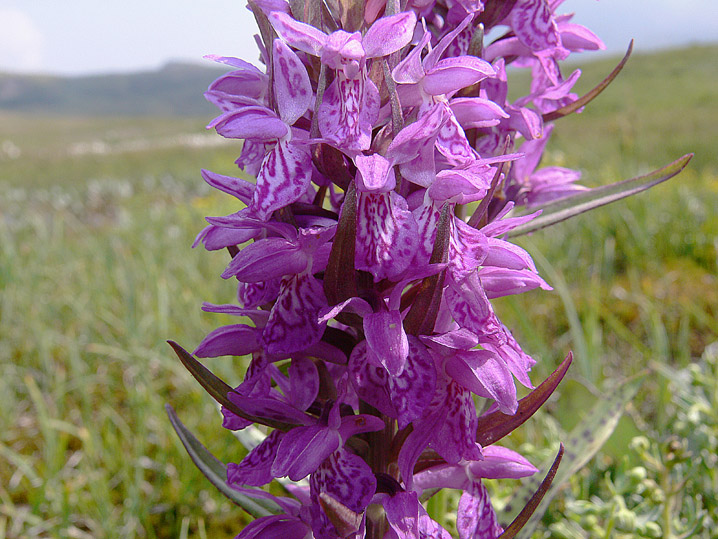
(494, 426)
(563, 209)
(421, 317)
(522, 518)
(218, 389)
(583, 443)
(216, 472)
(340, 275)
(590, 96)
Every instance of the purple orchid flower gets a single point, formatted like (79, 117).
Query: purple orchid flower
(365, 297)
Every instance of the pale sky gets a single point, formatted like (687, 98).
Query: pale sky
(75, 37)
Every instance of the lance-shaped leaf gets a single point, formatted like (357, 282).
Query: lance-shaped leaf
(563, 209)
(218, 389)
(529, 509)
(216, 472)
(583, 443)
(340, 275)
(590, 96)
(421, 317)
(494, 426)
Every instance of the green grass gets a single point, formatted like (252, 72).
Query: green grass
(96, 272)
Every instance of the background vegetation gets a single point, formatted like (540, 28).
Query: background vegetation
(97, 214)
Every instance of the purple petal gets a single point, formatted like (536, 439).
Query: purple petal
(346, 478)
(284, 177)
(303, 382)
(291, 83)
(292, 324)
(256, 468)
(275, 526)
(387, 235)
(475, 516)
(534, 25)
(402, 513)
(386, 338)
(250, 160)
(403, 397)
(375, 173)
(349, 110)
(252, 295)
(389, 34)
(470, 307)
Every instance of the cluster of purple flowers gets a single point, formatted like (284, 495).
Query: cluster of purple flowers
(372, 130)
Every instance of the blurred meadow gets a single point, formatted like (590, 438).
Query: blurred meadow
(97, 215)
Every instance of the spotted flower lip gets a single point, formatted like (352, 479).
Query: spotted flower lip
(363, 296)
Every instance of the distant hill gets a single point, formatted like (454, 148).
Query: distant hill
(174, 90)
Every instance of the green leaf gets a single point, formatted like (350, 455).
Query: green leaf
(563, 209)
(216, 472)
(421, 317)
(340, 275)
(218, 389)
(530, 508)
(494, 426)
(583, 443)
(591, 95)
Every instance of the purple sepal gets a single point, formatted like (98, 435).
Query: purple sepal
(499, 282)
(413, 146)
(303, 449)
(389, 34)
(270, 407)
(237, 187)
(476, 112)
(452, 74)
(482, 373)
(256, 123)
(215, 237)
(256, 468)
(266, 259)
(299, 35)
(232, 340)
(292, 88)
